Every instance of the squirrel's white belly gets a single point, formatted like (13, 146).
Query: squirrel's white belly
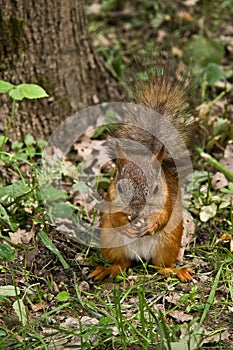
(141, 248)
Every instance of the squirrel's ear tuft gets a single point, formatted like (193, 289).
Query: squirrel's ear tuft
(159, 156)
(120, 155)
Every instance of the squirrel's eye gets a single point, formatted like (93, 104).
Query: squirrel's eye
(156, 189)
(119, 188)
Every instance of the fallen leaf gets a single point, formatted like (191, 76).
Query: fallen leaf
(84, 286)
(218, 181)
(38, 306)
(216, 337)
(188, 234)
(173, 298)
(69, 322)
(180, 316)
(93, 153)
(204, 110)
(89, 321)
(208, 212)
(227, 159)
(21, 236)
(226, 237)
(184, 15)
(190, 2)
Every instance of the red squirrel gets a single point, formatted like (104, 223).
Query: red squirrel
(148, 180)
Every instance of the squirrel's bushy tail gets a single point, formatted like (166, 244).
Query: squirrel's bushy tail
(168, 88)
(165, 94)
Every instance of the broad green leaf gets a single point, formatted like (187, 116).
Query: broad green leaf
(5, 86)
(50, 193)
(190, 342)
(49, 245)
(99, 131)
(195, 179)
(224, 204)
(5, 218)
(81, 187)
(208, 212)
(227, 190)
(212, 73)
(29, 139)
(143, 76)
(15, 94)
(221, 125)
(31, 91)
(3, 332)
(9, 291)
(6, 252)
(63, 296)
(17, 189)
(41, 143)
(205, 50)
(21, 311)
(62, 210)
(16, 145)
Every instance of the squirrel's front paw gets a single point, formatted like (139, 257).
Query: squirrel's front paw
(131, 232)
(141, 227)
(149, 228)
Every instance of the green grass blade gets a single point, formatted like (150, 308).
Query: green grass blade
(49, 245)
(211, 296)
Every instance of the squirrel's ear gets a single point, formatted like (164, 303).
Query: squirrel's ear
(120, 155)
(159, 156)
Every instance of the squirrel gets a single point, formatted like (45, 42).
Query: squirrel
(143, 218)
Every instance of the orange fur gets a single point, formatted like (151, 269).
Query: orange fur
(128, 233)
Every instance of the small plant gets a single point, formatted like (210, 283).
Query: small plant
(20, 196)
(18, 93)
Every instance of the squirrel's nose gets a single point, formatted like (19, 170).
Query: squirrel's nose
(137, 204)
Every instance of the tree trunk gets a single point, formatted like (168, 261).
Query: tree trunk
(48, 43)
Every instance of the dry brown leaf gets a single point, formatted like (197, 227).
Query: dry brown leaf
(161, 34)
(204, 110)
(173, 298)
(216, 337)
(84, 286)
(180, 316)
(69, 322)
(38, 306)
(93, 153)
(227, 159)
(190, 2)
(218, 181)
(226, 237)
(89, 321)
(185, 16)
(21, 236)
(188, 234)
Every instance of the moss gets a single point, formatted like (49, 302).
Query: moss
(47, 84)
(12, 41)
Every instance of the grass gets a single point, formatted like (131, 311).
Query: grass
(47, 300)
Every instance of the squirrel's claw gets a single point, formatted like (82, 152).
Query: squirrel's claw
(101, 272)
(131, 234)
(148, 230)
(184, 274)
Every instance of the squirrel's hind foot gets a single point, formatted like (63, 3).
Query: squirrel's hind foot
(101, 272)
(184, 274)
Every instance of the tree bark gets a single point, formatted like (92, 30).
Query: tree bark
(48, 43)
